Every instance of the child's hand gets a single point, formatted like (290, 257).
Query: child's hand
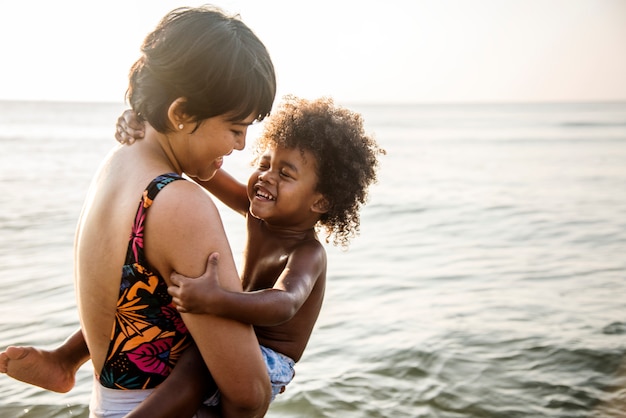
(129, 128)
(196, 295)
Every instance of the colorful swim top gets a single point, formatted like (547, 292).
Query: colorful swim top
(148, 334)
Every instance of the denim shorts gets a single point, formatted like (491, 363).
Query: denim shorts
(280, 369)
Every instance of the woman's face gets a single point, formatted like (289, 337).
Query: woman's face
(201, 152)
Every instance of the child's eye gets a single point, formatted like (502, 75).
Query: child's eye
(284, 174)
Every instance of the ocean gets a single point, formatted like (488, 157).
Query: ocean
(488, 279)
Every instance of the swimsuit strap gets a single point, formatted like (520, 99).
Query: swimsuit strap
(135, 252)
(148, 334)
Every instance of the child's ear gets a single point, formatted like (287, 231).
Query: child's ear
(321, 205)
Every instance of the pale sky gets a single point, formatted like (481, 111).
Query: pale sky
(390, 51)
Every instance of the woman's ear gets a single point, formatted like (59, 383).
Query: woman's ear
(177, 114)
(321, 205)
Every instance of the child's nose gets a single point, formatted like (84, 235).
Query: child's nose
(266, 176)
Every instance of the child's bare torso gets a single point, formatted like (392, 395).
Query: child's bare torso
(265, 258)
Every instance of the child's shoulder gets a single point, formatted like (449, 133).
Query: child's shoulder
(310, 250)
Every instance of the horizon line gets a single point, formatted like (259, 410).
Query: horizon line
(363, 102)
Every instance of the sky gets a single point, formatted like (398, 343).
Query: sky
(357, 51)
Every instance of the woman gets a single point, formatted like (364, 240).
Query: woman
(202, 80)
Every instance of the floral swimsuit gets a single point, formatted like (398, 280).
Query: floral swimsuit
(148, 333)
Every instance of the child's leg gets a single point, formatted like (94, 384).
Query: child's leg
(182, 393)
(50, 369)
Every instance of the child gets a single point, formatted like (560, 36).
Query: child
(313, 168)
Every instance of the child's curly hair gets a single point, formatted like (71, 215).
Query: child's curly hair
(346, 157)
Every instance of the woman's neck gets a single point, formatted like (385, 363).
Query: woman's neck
(159, 146)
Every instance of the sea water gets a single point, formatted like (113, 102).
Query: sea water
(488, 279)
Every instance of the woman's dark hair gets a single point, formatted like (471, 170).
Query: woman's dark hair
(213, 61)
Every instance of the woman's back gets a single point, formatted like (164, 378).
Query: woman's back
(102, 239)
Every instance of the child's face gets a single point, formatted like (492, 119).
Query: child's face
(282, 188)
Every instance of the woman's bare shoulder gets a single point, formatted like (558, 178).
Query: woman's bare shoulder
(183, 209)
(182, 228)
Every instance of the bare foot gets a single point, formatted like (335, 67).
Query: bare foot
(42, 368)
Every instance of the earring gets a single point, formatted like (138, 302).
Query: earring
(181, 126)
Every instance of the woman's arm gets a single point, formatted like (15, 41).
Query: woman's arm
(183, 228)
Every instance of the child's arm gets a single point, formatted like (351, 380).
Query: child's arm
(229, 190)
(266, 307)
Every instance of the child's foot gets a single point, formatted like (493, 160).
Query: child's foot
(37, 367)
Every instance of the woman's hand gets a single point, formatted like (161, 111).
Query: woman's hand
(129, 128)
(197, 295)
